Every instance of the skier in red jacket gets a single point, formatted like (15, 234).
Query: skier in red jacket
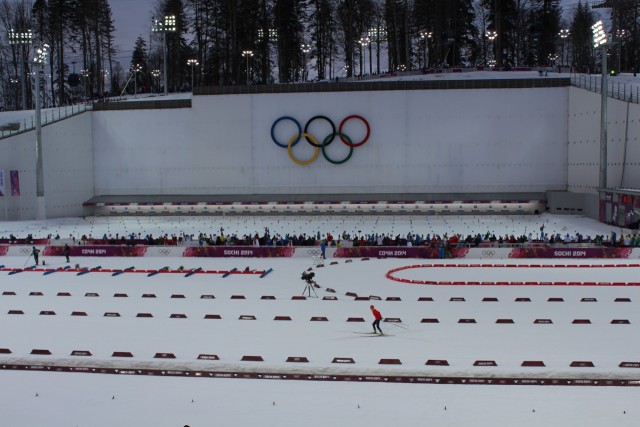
(378, 318)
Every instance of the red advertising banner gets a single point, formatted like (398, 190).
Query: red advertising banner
(240, 251)
(100, 251)
(399, 252)
(568, 252)
(4, 250)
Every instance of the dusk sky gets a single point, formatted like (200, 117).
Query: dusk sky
(132, 19)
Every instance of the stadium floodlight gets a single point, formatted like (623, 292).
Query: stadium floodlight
(21, 39)
(599, 35)
(38, 61)
(164, 26)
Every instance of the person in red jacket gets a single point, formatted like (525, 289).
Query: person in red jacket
(378, 318)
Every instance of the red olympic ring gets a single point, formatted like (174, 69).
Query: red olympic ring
(349, 143)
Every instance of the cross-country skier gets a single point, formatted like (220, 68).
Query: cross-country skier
(67, 251)
(35, 252)
(376, 322)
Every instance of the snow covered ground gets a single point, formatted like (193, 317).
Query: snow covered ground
(29, 398)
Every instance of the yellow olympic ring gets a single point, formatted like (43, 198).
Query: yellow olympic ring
(296, 138)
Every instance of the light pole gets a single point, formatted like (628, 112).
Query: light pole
(306, 48)
(247, 54)
(38, 61)
(21, 39)
(14, 80)
(600, 40)
(156, 74)
(621, 34)
(426, 36)
(167, 25)
(105, 74)
(564, 33)
(364, 41)
(85, 75)
(135, 69)
(192, 63)
(492, 35)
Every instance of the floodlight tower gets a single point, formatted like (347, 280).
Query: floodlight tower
(38, 61)
(600, 39)
(167, 25)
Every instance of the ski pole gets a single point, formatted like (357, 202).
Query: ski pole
(399, 325)
(28, 258)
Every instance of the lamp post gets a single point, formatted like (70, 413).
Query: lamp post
(14, 80)
(135, 69)
(21, 39)
(105, 74)
(600, 40)
(192, 63)
(85, 75)
(306, 48)
(426, 36)
(247, 54)
(364, 41)
(492, 35)
(38, 61)
(167, 25)
(156, 74)
(621, 34)
(564, 33)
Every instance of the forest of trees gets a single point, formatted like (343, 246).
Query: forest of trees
(266, 41)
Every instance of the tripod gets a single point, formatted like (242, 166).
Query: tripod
(310, 287)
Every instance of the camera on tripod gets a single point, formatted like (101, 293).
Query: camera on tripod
(308, 276)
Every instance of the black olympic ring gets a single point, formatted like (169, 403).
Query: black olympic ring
(325, 142)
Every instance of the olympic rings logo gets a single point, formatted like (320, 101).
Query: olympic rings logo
(164, 252)
(488, 253)
(313, 141)
(313, 252)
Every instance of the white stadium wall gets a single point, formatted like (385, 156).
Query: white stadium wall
(623, 164)
(67, 154)
(431, 141)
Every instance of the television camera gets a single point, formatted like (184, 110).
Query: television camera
(310, 286)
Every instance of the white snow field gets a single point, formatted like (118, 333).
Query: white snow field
(187, 336)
